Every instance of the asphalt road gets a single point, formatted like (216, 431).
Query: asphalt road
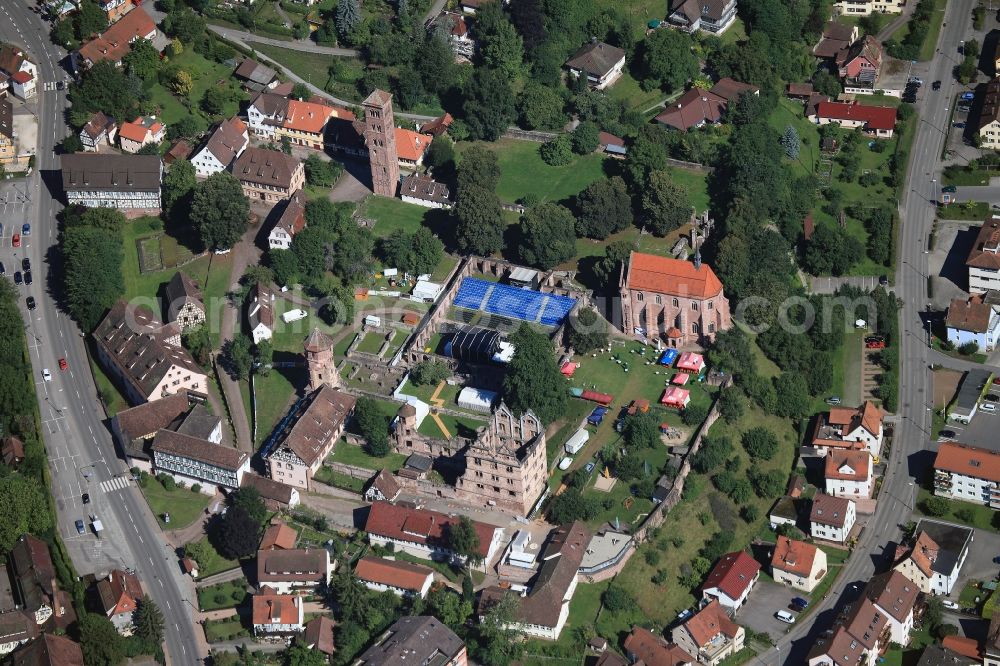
(913, 423)
(82, 456)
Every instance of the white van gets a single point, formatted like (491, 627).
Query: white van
(785, 617)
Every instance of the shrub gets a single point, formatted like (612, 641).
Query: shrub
(968, 348)
(652, 556)
(934, 506)
(616, 598)
(558, 151)
(220, 598)
(166, 481)
(749, 513)
(694, 414)
(196, 488)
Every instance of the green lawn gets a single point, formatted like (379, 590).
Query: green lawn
(288, 337)
(312, 67)
(211, 562)
(371, 343)
(223, 630)
(696, 184)
(348, 454)
(971, 210)
(522, 171)
(338, 480)
(627, 90)
(223, 595)
(966, 513)
(392, 214)
(112, 399)
(274, 393)
(957, 175)
(451, 573)
(183, 504)
(205, 74)
(846, 372)
(456, 425)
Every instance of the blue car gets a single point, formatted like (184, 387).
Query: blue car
(25, 229)
(80, 529)
(968, 96)
(800, 602)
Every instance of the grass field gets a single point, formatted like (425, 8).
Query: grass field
(211, 562)
(349, 454)
(289, 336)
(183, 504)
(371, 343)
(312, 67)
(966, 513)
(338, 480)
(456, 425)
(522, 171)
(274, 394)
(223, 595)
(392, 214)
(222, 630)
(205, 74)
(627, 90)
(971, 210)
(696, 184)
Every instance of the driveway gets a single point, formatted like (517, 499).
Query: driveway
(979, 564)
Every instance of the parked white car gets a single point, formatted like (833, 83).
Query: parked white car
(46, 375)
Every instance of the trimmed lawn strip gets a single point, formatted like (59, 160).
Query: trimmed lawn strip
(275, 393)
(972, 210)
(371, 343)
(983, 517)
(289, 336)
(312, 67)
(963, 176)
(696, 184)
(349, 454)
(215, 563)
(391, 215)
(222, 630)
(183, 504)
(234, 591)
(336, 479)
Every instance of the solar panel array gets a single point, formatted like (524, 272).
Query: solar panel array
(513, 302)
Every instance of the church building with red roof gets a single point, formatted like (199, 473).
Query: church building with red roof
(678, 301)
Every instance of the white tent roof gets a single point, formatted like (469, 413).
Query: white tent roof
(522, 274)
(426, 289)
(476, 398)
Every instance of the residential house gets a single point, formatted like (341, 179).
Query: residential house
(274, 613)
(184, 302)
(936, 557)
(221, 148)
(983, 261)
(679, 302)
(11, 451)
(713, 16)
(849, 428)
(115, 9)
(306, 439)
(260, 312)
(284, 570)
(278, 536)
(799, 91)
(115, 42)
(34, 577)
(832, 518)
(798, 564)
(989, 117)
(401, 578)
(254, 76)
(940, 655)
(120, 594)
(697, 106)
(421, 532)
(291, 222)
(848, 473)
(16, 629)
(266, 113)
(48, 650)
(971, 320)
(415, 639)
(644, 647)
(456, 28)
(198, 461)
(22, 73)
(142, 131)
(305, 123)
(8, 147)
(411, 147)
(601, 63)
(836, 40)
(895, 596)
(731, 580)
(859, 638)
(99, 130)
(318, 635)
(130, 183)
(967, 473)
(268, 176)
(276, 495)
(382, 488)
(876, 121)
(179, 150)
(145, 356)
(424, 191)
(862, 64)
(866, 7)
(991, 646)
(134, 428)
(709, 635)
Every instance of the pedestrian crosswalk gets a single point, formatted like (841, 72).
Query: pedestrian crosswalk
(117, 483)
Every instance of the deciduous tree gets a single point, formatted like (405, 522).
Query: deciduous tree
(603, 208)
(220, 211)
(373, 425)
(489, 104)
(237, 534)
(100, 642)
(548, 235)
(533, 379)
(665, 204)
(668, 61)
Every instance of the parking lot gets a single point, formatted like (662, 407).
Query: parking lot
(767, 599)
(981, 432)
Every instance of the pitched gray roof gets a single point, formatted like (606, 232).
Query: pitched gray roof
(112, 173)
(596, 58)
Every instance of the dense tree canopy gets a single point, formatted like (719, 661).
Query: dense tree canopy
(603, 208)
(489, 104)
(668, 60)
(533, 379)
(220, 211)
(373, 424)
(548, 235)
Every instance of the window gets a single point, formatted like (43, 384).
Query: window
(711, 328)
(694, 305)
(638, 296)
(676, 303)
(711, 305)
(657, 299)
(694, 327)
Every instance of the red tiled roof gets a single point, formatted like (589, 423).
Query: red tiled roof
(307, 116)
(645, 646)
(676, 277)
(894, 593)
(402, 575)
(968, 461)
(133, 132)
(694, 107)
(271, 608)
(963, 645)
(794, 557)
(709, 622)
(733, 574)
(319, 634)
(21, 77)
(120, 592)
(116, 41)
(278, 535)
(874, 117)
(419, 526)
(858, 463)
(985, 252)
(969, 314)
(410, 145)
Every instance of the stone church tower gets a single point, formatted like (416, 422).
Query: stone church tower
(380, 138)
(319, 358)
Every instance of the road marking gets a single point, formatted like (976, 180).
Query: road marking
(117, 483)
